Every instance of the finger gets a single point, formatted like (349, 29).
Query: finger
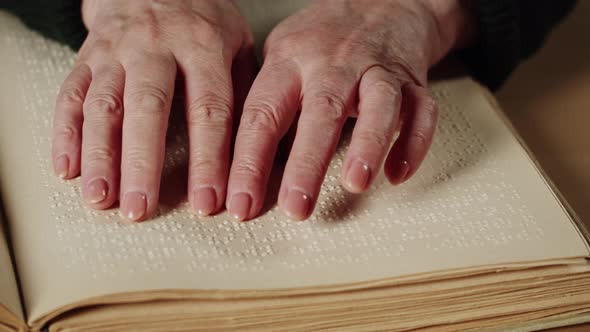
(149, 87)
(67, 123)
(101, 141)
(268, 112)
(326, 103)
(209, 117)
(379, 107)
(416, 134)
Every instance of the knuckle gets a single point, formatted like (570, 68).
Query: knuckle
(210, 110)
(103, 104)
(147, 27)
(419, 136)
(403, 71)
(209, 33)
(199, 164)
(311, 164)
(136, 161)
(196, 61)
(262, 117)
(346, 48)
(149, 98)
(102, 47)
(277, 62)
(386, 89)
(374, 140)
(72, 96)
(99, 154)
(330, 104)
(206, 170)
(284, 47)
(66, 131)
(248, 167)
(95, 48)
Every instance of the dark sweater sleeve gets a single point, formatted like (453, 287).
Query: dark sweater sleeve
(57, 19)
(509, 31)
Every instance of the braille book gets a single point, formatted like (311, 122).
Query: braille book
(477, 239)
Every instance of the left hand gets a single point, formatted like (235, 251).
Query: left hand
(112, 111)
(331, 60)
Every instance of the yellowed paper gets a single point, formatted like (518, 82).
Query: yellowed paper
(10, 306)
(450, 305)
(476, 201)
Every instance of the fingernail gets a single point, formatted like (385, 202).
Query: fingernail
(297, 205)
(96, 191)
(62, 165)
(204, 201)
(134, 205)
(357, 176)
(240, 206)
(400, 171)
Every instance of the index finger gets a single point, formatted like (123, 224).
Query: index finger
(269, 110)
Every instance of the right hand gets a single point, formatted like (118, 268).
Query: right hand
(112, 110)
(332, 60)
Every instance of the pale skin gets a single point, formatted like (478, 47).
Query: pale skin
(332, 60)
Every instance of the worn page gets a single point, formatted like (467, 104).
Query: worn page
(476, 201)
(9, 299)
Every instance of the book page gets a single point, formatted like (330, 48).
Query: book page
(9, 297)
(476, 201)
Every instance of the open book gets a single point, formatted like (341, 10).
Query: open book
(478, 239)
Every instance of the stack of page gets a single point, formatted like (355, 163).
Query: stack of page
(478, 239)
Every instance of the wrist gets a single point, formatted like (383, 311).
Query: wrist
(105, 11)
(455, 26)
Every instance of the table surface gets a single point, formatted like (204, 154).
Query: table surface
(548, 101)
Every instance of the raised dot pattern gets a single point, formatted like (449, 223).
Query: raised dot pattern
(428, 214)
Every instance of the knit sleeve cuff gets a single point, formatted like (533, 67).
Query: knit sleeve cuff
(497, 51)
(57, 19)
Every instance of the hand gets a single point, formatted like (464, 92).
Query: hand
(112, 111)
(332, 60)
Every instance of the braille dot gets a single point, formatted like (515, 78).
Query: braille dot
(417, 216)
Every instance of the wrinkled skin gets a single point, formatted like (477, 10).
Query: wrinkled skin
(120, 93)
(332, 60)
